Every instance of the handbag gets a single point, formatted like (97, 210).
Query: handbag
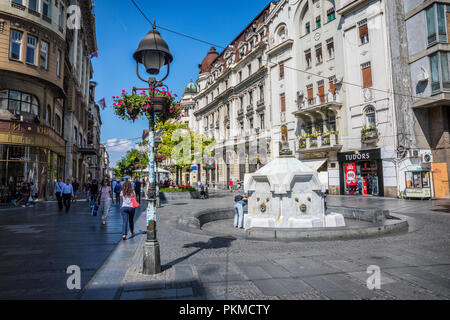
(95, 210)
(135, 203)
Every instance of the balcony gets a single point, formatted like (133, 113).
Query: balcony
(369, 135)
(217, 124)
(89, 150)
(250, 108)
(240, 114)
(319, 103)
(260, 102)
(325, 142)
(227, 119)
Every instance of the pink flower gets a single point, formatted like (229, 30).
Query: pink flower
(114, 104)
(147, 98)
(171, 111)
(148, 106)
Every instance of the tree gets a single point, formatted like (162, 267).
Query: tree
(134, 160)
(183, 146)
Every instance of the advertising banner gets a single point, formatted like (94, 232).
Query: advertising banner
(350, 174)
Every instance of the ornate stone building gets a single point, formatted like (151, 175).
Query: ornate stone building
(44, 92)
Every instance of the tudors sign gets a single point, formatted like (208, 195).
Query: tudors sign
(363, 155)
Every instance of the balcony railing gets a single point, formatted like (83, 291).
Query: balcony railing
(260, 102)
(321, 101)
(369, 135)
(320, 142)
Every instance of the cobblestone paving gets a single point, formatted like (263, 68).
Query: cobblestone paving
(414, 265)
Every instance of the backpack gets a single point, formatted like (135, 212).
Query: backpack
(118, 188)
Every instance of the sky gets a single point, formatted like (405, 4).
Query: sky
(120, 28)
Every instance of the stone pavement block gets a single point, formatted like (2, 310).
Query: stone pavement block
(438, 285)
(295, 286)
(185, 293)
(271, 287)
(343, 265)
(144, 285)
(321, 284)
(253, 272)
(356, 287)
(274, 270)
(363, 276)
(210, 272)
(149, 295)
(184, 274)
(341, 295)
(407, 291)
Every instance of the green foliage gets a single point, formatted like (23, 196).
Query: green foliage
(134, 160)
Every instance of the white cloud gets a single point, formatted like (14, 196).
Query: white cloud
(116, 145)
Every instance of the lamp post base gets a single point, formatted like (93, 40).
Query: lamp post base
(152, 259)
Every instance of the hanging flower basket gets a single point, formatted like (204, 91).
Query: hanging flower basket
(134, 106)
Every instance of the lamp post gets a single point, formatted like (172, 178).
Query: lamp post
(153, 52)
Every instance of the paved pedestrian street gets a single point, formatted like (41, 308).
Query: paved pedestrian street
(38, 244)
(414, 265)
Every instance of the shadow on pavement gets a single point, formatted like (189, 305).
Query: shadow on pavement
(213, 243)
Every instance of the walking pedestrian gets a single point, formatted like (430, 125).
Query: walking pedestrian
(106, 197)
(87, 188)
(239, 185)
(240, 203)
(58, 193)
(230, 185)
(117, 190)
(127, 211)
(67, 194)
(94, 193)
(137, 190)
(76, 187)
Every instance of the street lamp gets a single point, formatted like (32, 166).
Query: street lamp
(153, 52)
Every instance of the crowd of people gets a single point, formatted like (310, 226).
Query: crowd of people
(27, 195)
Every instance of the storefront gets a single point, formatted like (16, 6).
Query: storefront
(418, 184)
(361, 173)
(29, 153)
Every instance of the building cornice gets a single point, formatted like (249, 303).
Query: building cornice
(282, 46)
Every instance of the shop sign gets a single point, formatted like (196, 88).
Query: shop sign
(365, 155)
(350, 174)
(418, 193)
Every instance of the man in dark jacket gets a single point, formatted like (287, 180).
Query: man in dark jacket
(137, 189)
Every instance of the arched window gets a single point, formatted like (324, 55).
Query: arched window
(48, 114)
(370, 115)
(282, 33)
(18, 102)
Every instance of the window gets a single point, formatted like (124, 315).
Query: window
(308, 58)
(44, 55)
(366, 74)
(18, 102)
(75, 135)
(281, 71)
(260, 62)
(46, 8)
(321, 90)
(363, 31)
(440, 80)
(241, 101)
(61, 16)
(330, 48)
(318, 22)
(58, 63)
(262, 121)
(18, 1)
(332, 85)
(319, 57)
(250, 97)
(261, 93)
(331, 14)
(31, 50)
(240, 76)
(15, 45)
(249, 67)
(48, 115)
(80, 140)
(310, 90)
(370, 116)
(283, 102)
(331, 124)
(437, 31)
(308, 28)
(57, 124)
(33, 5)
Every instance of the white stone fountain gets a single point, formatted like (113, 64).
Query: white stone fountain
(287, 194)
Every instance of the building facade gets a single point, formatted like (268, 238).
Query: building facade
(35, 69)
(335, 81)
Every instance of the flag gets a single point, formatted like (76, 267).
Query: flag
(93, 55)
(102, 104)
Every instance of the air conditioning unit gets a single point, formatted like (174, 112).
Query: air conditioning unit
(427, 157)
(338, 80)
(423, 76)
(413, 153)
